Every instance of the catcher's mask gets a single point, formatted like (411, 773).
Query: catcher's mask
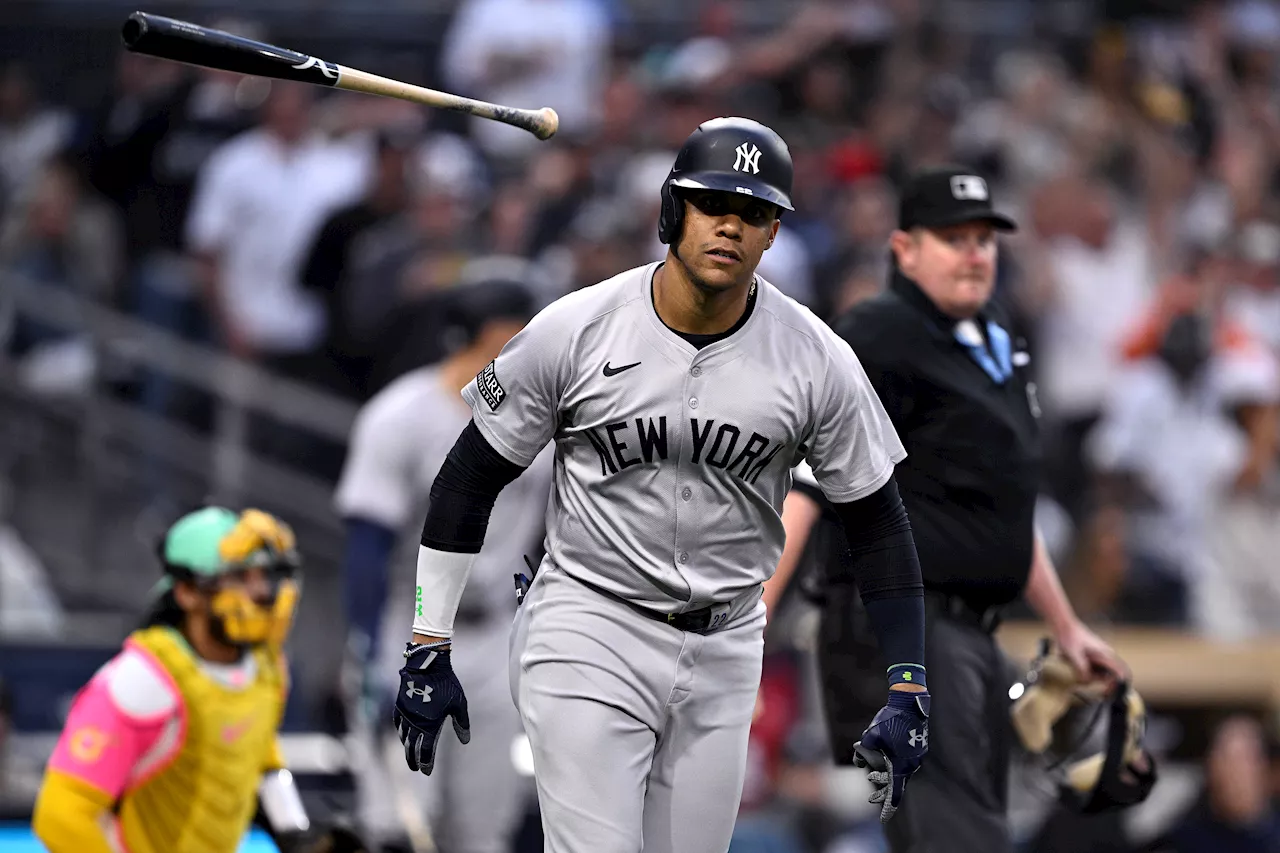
(207, 546)
(1090, 736)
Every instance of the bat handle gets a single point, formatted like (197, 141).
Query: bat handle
(546, 123)
(541, 123)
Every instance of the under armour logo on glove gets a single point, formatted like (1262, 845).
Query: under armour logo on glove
(424, 692)
(894, 747)
(429, 693)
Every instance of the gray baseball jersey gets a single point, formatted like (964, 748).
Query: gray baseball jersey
(400, 440)
(671, 462)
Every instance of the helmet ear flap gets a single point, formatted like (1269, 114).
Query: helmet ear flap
(670, 214)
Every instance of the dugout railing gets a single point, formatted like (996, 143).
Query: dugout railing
(83, 465)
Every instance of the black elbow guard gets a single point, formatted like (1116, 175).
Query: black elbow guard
(464, 492)
(883, 553)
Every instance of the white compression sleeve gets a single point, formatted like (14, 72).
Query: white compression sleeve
(441, 578)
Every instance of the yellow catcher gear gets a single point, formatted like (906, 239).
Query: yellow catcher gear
(207, 545)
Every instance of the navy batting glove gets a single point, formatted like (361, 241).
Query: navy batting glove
(429, 692)
(893, 747)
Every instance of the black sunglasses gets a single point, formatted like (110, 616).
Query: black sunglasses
(753, 212)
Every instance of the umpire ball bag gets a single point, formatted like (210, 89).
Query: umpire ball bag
(732, 155)
(1091, 737)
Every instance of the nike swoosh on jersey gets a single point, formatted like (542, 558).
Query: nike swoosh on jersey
(614, 371)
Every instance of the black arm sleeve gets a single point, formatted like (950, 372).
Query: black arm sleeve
(887, 571)
(463, 493)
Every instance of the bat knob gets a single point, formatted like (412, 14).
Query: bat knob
(546, 124)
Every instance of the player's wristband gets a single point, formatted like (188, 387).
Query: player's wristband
(442, 575)
(907, 673)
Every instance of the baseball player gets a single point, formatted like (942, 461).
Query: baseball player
(679, 395)
(400, 440)
(172, 745)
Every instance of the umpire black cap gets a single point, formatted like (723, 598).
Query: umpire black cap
(948, 195)
(733, 155)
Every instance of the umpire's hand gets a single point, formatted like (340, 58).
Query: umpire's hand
(893, 747)
(429, 692)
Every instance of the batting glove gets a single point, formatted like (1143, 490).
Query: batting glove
(429, 692)
(893, 747)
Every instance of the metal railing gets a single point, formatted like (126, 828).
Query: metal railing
(80, 471)
(239, 388)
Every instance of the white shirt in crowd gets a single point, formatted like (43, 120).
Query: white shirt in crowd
(1182, 444)
(569, 40)
(1099, 295)
(259, 205)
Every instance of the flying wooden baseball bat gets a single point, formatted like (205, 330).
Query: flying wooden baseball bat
(192, 44)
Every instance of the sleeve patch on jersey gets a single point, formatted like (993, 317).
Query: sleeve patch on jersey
(490, 388)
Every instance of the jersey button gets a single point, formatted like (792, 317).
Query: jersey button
(693, 402)
(697, 371)
(684, 556)
(687, 494)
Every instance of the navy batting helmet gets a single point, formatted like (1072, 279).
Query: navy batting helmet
(732, 155)
(469, 306)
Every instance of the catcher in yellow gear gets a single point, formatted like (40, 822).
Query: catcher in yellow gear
(172, 744)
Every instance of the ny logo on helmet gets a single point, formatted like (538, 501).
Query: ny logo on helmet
(969, 188)
(746, 158)
(919, 738)
(424, 692)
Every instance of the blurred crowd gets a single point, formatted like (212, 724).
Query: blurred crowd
(312, 233)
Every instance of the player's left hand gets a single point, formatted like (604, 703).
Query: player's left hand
(893, 747)
(429, 693)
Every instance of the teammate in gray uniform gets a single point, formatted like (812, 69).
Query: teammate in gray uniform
(679, 396)
(399, 441)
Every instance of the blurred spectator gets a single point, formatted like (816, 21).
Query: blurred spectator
(259, 202)
(329, 266)
(1237, 813)
(30, 132)
(1255, 301)
(126, 129)
(151, 138)
(401, 263)
(1171, 451)
(864, 217)
(1098, 278)
(530, 54)
(61, 235)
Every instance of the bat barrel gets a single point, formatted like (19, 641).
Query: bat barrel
(135, 27)
(180, 41)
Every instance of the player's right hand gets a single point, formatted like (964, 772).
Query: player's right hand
(429, 692)
(894, 747)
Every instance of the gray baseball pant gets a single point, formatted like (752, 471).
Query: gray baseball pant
(638, 729)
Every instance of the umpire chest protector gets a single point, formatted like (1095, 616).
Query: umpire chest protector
(733, 155)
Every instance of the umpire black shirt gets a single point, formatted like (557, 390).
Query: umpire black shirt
(970, 478)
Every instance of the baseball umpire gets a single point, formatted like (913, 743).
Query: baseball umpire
(401, 438)
(955, 383)
(679, 395)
